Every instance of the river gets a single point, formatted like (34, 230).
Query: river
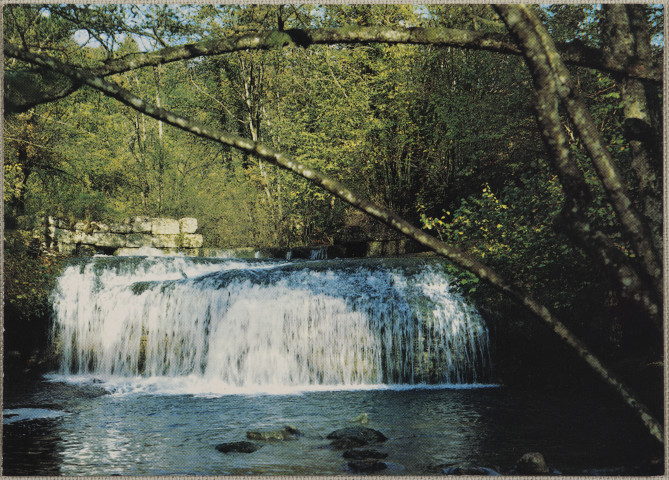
(164, 358)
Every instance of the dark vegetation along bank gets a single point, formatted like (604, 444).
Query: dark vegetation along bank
(524, 144)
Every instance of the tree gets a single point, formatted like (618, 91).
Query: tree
(553, 81)
(637, 274)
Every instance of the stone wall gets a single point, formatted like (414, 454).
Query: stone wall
(127, 237)
(134, 236)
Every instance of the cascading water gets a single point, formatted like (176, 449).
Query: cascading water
(319, 253)
(233, 325)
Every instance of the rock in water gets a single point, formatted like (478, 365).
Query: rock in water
(363, 453)
(367, 435)
(347, 443)
(365, 466)
(532, 463)
(286, 433)
(241, 447)
(289, 429)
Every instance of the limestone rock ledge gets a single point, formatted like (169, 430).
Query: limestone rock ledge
(130, 236)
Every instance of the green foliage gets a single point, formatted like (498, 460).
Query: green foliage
(567, 23)
(512, 231)
(375, 113)
(13, 182)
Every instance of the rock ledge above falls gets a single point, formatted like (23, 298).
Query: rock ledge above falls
(130, 236)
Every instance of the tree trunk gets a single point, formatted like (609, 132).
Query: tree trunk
(160, 149)
(627, 42)
(552, 80)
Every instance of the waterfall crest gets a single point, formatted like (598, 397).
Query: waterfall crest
(254, 323)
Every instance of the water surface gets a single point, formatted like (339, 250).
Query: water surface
(91, 432)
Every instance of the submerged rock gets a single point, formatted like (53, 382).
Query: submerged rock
(470, 470)
(360, 435)
(367, 465)
(240, 447)
(286, 433)
(364, 453)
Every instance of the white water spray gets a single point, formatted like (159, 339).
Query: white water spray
(235, 324)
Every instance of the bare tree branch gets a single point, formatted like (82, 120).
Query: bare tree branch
(594, 242)
(379, 212)
(575, 53)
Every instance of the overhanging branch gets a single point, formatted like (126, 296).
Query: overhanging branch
(379, 212)
(575, 53)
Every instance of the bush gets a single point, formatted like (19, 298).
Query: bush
(29, 277)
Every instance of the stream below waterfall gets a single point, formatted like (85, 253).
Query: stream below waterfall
(163, 358)
(79, 429)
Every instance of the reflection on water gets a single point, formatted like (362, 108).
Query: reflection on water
(31, 448)
(13, 415)
(148, 434)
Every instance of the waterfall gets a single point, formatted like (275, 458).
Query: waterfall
(320, 253)
(260, 323)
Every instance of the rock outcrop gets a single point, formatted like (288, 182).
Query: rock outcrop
(132, 236)
(354, 437)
